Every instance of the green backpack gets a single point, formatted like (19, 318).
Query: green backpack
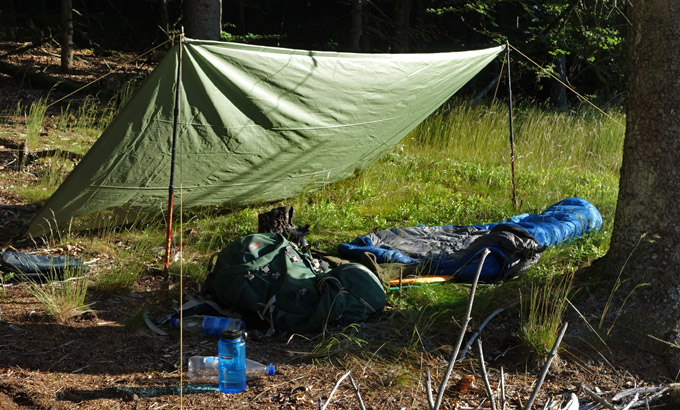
(266, 274)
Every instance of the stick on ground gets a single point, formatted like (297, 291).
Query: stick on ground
(440, 394)
(356, 390)
(330, 396)
(485, 375)
(546, 367)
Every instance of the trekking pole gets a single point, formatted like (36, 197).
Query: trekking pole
(512, 131)
(171, 187)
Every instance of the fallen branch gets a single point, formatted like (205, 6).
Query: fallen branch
(564, 403)
(474, 335)
(598, 398)
(356, 391)
(25, 48)
(452, 361)
(37, 78)
(638, 403)
(630, 404)
(330, 396)
(636, 390)
(485, 375)
(546, 367)
(428, 389)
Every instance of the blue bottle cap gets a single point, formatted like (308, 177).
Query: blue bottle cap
(271, 369)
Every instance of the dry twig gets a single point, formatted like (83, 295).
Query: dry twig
(503, 399)
(546, 367)
(330, 396)
(356, 390)
(479, 330)
(598, 398)
(485, 375)
(440, 394)
(428, 388)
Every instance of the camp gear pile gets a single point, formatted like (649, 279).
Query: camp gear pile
(266, 274)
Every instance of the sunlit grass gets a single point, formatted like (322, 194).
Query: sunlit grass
(62, 297)
(454, 168)
(541, 311)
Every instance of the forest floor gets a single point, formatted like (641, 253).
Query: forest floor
(109, 359)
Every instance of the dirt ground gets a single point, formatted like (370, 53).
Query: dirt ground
(110, 359)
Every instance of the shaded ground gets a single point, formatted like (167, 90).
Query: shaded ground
(110, 359)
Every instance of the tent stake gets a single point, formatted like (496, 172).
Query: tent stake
(512, 132)
(171, 187)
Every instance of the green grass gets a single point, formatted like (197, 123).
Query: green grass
(541, 311)
(454, 168)
(62, 297)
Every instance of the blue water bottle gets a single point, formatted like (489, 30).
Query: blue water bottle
(231, 351)
(209, 325)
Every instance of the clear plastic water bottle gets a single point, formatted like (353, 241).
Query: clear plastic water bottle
(209, 325)
(207, 368)
(231, 351)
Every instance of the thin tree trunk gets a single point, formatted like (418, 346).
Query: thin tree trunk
(242, 17)
(357, 25)
(402, 28)
(419, 24)
(66, 36)
(558, 96)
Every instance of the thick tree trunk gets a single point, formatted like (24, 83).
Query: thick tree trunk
(203, 19)
(649, 189)
(66, 36)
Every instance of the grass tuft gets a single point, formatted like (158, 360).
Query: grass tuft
(541, 314)
(62, 297)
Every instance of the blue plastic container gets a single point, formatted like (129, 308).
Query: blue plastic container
(231, 351)
(209, 325)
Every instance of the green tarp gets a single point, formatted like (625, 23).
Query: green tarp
(256, 124)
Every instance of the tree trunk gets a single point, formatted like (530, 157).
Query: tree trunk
(165, 18)
(242, 17)
(649, 188)
(558, 94)
(401, 32)
(419, 10)
(66, 36)
(357, 25)
(203, 19)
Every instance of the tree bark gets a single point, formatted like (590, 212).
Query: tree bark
(558, 94)
(357, 25)
(203, 19)
(67, 36)
(402, 26)
(649, 187)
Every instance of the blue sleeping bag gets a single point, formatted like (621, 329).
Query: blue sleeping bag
(515, 244)
(569, 218)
